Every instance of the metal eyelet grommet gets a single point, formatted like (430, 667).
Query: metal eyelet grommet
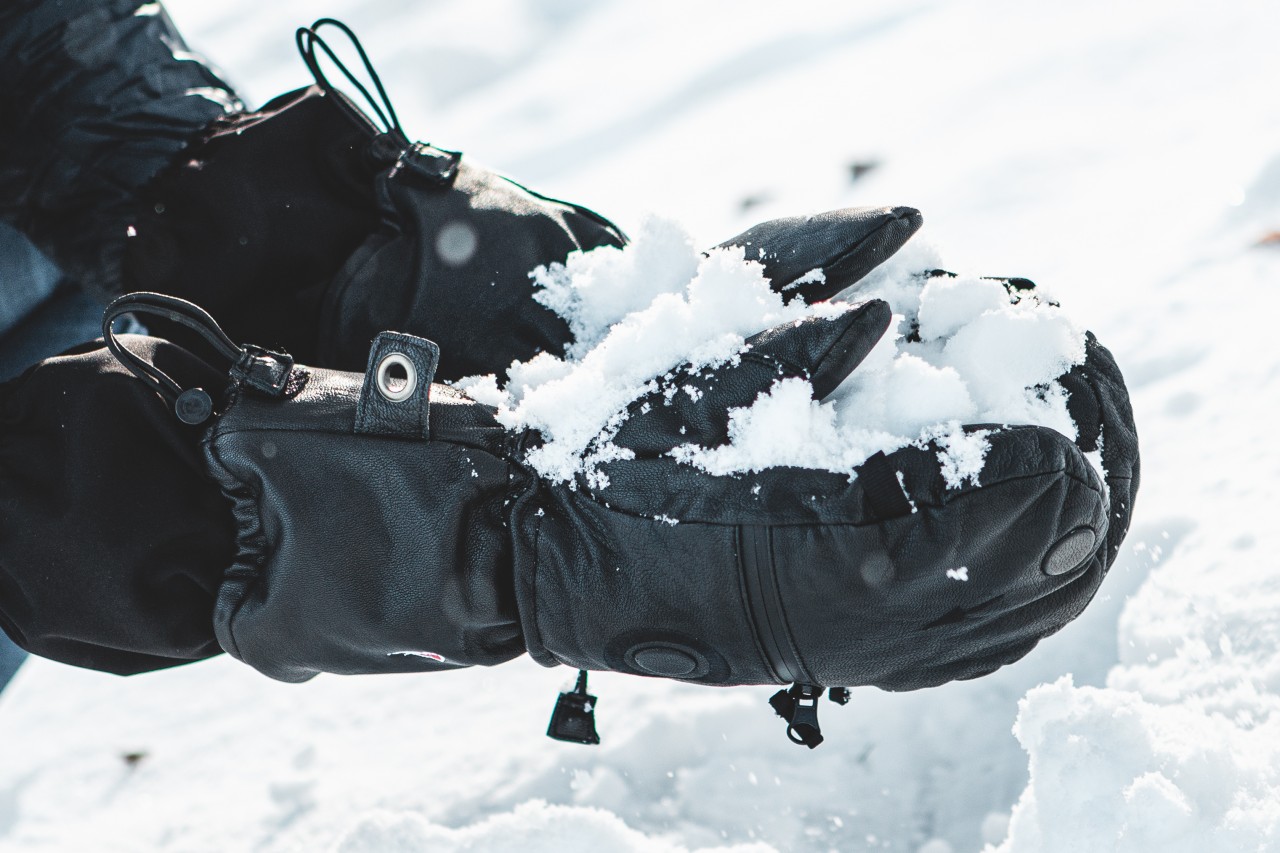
(396, 378)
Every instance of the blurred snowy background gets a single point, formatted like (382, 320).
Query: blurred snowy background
(1127, 155)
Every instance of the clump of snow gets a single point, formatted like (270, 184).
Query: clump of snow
(947, 304)
(962, 350)
(595, 290)
(817, 275)
(961, 453)
(1159, 777)
(702, 316)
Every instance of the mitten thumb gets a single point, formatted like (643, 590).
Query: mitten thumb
(826, 349)
(816, 257)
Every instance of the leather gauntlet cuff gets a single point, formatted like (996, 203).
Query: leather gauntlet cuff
(361, 546)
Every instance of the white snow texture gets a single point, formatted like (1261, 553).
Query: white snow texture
(1124, 154)
(638, 313)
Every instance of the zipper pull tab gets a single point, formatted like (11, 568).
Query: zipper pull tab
(574, 717)
(799, 707)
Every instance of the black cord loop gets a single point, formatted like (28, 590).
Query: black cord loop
(308, 39)
(262, 370)
(171, 308)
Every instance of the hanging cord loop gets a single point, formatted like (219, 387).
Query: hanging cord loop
(264, 371)
(428, 164)
(308, 39)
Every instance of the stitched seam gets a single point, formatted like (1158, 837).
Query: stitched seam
(782, 611)
(744, 597)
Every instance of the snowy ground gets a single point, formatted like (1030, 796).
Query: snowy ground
(1128, 155)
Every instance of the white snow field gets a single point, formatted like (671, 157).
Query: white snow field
(1126, 155)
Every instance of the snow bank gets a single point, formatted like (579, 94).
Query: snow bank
(532, 827)
(1128, 774)
(962, 350)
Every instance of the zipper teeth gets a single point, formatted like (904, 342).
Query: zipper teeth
(766, 607)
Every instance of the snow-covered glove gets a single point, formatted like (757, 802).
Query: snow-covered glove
(1098, 402)
(310, 226)
(452, 550)
(899, 578)
(789, 575)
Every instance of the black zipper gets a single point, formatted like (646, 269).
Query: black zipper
(756, 555)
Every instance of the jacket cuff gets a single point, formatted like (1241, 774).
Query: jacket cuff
(109, 97)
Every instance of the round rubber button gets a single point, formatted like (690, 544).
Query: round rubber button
(194, 406)
(1069, 551)
(665, 661)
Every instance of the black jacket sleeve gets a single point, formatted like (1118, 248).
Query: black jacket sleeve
(96, 98)
(112, 539)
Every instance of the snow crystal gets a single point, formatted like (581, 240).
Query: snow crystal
(482, 389)
(961, 350)
(961, 453)
(813, 276)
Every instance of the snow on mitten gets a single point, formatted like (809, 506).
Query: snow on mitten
(386, 523)
(898, 578)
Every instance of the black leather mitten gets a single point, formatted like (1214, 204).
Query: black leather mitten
(452, 550)
(309, 226)
(385, 523)
(801, 575)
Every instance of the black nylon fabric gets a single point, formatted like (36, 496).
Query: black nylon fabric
(254, 219)
(112, 539)
(98, 96)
